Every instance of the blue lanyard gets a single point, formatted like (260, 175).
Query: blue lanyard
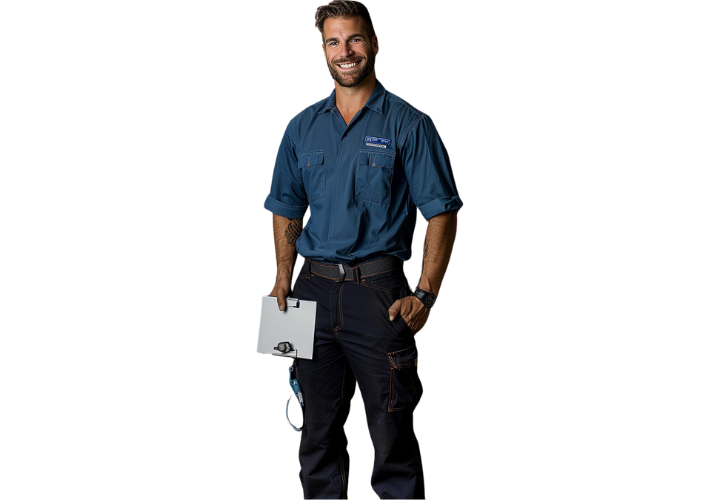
(298, 393)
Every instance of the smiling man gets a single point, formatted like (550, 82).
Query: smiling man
(365, 161)
(350, 69)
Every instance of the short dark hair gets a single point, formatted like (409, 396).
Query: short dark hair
(343, 8)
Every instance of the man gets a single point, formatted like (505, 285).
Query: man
(364, 160)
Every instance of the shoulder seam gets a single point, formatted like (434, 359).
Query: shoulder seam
(404, 103)
(318, 102)
(418, 115)
(409, 129)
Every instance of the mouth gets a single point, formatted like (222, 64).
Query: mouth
(348, 65)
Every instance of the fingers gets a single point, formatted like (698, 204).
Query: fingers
(415, 319)
(281, 296)
(394, 310)
(280, 293)
(401, 307)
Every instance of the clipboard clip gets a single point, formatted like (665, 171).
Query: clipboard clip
(286, 350)
(291, 302)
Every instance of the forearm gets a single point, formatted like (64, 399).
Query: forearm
(285, 234)
(439, 240)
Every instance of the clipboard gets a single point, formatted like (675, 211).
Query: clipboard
(294, 326)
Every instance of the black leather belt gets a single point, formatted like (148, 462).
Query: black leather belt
(342, 272)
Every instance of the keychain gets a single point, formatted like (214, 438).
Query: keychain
(295, 390)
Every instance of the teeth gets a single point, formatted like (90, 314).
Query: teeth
(347, 65)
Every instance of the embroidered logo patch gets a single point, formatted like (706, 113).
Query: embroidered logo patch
(377, 142)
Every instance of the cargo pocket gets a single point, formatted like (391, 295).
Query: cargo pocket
(373, 178)
(312, 168)
(405, 385)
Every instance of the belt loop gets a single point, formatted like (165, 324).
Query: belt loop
(356, 273)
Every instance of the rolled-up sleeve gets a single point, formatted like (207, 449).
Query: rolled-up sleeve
(287, 196)
(428, 170)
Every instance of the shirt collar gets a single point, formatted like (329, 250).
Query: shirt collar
(375, 102)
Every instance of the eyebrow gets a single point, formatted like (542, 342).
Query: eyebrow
(335, 39)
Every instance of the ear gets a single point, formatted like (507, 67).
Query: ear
(375, 46)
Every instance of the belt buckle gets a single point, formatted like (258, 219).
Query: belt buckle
(341, 269)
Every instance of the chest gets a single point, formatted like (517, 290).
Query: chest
(348, 116)
(341, 142)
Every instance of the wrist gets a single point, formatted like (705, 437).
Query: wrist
(427, 298)
(429, 285)
(283, 280)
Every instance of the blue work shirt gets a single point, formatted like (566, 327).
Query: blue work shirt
(363, 181)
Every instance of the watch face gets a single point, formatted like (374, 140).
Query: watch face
(428, 299)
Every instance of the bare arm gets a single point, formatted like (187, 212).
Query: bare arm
(439, 240)
(285, 234)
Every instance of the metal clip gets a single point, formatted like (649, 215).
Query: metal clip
(342, 273)
(283, 347)
(298, 393)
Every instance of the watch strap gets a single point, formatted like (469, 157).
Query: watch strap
(427, 298)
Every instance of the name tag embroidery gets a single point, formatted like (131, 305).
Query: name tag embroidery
(377, 142)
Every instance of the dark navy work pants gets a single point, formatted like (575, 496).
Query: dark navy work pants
(355, 340)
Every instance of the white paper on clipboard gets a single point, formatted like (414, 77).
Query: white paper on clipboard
(296, 324)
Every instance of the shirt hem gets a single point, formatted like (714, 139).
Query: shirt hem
(440, 205)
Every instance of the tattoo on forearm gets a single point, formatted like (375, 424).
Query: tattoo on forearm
(295, 227)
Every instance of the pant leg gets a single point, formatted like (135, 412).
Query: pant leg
(328, 385)
(383, 357)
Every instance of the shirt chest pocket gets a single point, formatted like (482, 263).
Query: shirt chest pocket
(373, 177)
(313, 171)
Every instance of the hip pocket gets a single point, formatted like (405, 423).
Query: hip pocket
(405, 385)
(373, 178)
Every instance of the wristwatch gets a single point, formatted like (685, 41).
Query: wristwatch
(428, 299)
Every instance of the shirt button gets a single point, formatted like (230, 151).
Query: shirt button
(373, 164)
(308, 164)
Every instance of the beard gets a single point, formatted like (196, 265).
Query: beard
(352, 78)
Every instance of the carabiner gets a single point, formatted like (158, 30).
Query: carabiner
(295, 390)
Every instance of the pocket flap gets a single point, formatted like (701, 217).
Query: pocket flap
(403, 358)
(309, 159)
(381, 160)
(375, 159)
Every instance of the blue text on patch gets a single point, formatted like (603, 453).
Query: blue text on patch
(377, 141)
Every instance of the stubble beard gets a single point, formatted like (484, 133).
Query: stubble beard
(352, 81)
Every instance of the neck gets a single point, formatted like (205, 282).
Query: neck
(354, 98)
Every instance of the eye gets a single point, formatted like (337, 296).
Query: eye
(333, 44)
(357, 39)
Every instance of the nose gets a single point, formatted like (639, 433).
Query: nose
(345, 51)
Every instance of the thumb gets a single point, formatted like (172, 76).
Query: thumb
(281, 296)
(394, 310)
